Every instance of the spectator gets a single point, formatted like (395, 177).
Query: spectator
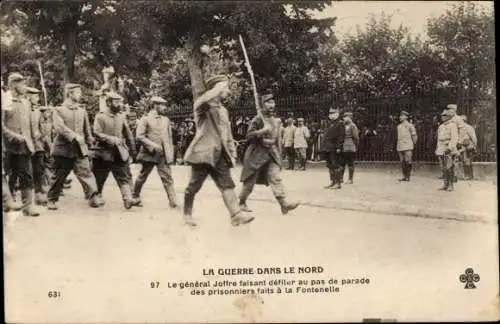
(300, 139)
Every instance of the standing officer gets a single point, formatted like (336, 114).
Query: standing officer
(112, 154)
(18, 140)
(300, 138)
(70, 147)
(333, 143)
(262, 161)
(154, 133)
(351, 143)
(406, 141)
(212, 151)
(446, 148)
(288, 133)
(468, 146)
(460, 124)
(38, 158)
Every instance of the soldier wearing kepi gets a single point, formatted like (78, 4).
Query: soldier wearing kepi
(112, 154)
(406, 141)
(212, 151)
(154, 133)
(333, 143)
(446, 148)
(18, 140)
(262, 162)
(70, 148)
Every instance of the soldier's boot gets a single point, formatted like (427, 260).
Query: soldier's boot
(238, 217)
(51, 205)
(468, 173)
(351, 174)
(446, 182)
(95, 201)
(338, 179)
(188, 210)
(67, 184)
(471, 172)
(126, 192)
(40, 198)
(331, 185)
(451, 179)
(28, 205)
(172, 196)
(408, 171)
(136, 201)
(403, 170)
(243, 205)
(286, 206)
(9, 204)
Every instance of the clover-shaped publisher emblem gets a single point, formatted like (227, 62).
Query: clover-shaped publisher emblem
(469, 278)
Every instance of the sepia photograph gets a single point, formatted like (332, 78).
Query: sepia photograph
(249, 161)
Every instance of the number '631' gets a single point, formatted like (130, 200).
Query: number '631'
(54, 294)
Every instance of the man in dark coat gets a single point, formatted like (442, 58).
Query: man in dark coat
(332, 146)
(212, 151)
(262, 162)
(112, 154)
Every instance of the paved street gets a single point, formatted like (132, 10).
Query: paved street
(103, 260)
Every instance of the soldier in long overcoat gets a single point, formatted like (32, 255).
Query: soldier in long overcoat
(154, 134)
(18, 134)
(262, 162)
(212, 151)
(115, 145)
(70, 148)
(446, 148)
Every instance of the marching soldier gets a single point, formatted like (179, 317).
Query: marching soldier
(47, 133)
(333, 143)
(300, 138)
(446, 148)
(468, 146)
(406, 141)
(212, 151)
(351, 143)
(112, 154)
(38, 158)
(70, 148)
(18, 140)
(262, 161)
(154, 133)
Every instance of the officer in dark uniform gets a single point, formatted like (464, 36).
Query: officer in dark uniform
(333, 143)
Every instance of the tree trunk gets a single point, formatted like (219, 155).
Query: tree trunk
(195, 64)
(70, 42)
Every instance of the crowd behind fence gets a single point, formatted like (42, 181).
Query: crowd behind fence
(377, 119)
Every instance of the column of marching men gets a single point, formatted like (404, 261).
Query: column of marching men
(41, 146)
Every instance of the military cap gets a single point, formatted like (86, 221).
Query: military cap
(15, 77)
(156, 99)
(447, 112)
(347, 114)
(333, 110)
(212, 81)
(300, 119)
(71, 86)
(404, 113)
(113, 95)
(32, 90)
(267, 97)
(452, 106)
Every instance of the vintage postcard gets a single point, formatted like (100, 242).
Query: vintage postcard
(249, 161)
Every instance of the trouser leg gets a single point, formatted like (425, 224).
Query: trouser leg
(83, 173)
(146, 169)
(63, 167)
(165, 173)
(101, 170)
(37, 161)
